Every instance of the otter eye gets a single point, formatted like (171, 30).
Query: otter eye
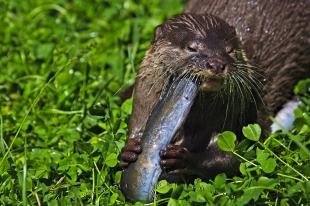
(191, 49)
(229, 49)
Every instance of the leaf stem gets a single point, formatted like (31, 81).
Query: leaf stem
(288, 176)
(286, 164)
(244, 159)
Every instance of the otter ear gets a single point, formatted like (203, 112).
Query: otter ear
(158, 32)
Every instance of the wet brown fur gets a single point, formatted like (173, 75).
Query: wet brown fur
(274, 36)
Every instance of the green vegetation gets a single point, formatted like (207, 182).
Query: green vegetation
(62, 124)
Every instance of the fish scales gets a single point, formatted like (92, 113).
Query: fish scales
(139, 179)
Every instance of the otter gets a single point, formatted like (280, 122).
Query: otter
(247, 55)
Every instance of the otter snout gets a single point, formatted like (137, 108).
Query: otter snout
(214, 65)
(217, 65)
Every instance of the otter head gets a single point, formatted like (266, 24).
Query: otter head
(203, 47)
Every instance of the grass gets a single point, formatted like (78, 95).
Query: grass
(62, 124)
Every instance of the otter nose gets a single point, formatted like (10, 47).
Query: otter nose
(216, 65)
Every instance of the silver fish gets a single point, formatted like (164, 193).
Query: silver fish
(139, 179)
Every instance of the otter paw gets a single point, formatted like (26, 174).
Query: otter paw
(130, 152)
(174, 158)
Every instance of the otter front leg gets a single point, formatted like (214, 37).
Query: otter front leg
(214, 161)
(145, 96)
(177, 160)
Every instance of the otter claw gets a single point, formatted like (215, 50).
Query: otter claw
(172, 164)
(173, 158)
(174, 151)
(130, 152)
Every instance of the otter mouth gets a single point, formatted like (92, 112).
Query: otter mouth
(209, 81)
(211, 84)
